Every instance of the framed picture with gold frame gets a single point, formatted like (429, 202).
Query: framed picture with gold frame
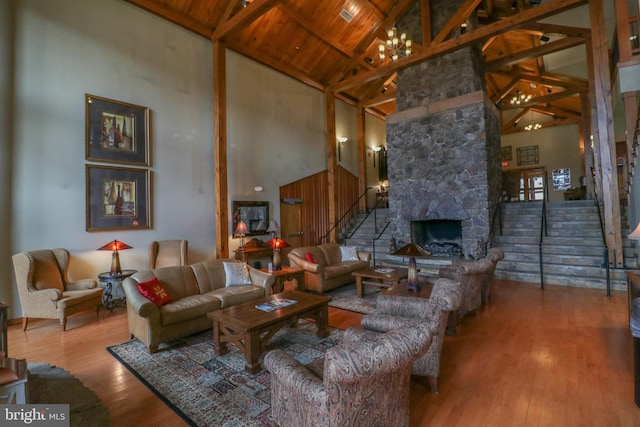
(118, 198)
(116, 131)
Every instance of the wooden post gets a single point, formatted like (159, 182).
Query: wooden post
(622, 29)
(362, 158)
(220, 149)
(604, 138)
(332, 164)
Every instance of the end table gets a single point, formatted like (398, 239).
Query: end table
(112, 292)
(284, 275)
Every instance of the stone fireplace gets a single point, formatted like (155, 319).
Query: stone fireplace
(443, 143)
(441, 237)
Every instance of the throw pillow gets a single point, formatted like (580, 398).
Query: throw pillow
(309, 256)
(153, 290)
(349, 253)
(236, 273)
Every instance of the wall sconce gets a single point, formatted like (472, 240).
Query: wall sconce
(376, 150)
(341, 141)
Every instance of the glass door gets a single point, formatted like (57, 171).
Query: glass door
(532, 183)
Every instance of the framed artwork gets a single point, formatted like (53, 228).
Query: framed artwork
(118, 198)
(528, 155)
(506, 153)
(116, 132)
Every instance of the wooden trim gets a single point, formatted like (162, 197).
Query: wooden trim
(220, 149)
(443, 105)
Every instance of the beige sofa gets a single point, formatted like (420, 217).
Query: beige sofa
(329, 271)
(196, 290)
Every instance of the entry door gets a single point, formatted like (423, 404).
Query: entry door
(291, 226)
(532, 182)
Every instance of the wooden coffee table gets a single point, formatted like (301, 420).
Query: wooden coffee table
(250, 329)
(380, 276)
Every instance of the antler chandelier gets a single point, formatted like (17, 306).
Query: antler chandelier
(395, 46)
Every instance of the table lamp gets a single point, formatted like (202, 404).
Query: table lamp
(412, 251)
(276, 244)
(115, 246)
(241, 230)
(273, 228)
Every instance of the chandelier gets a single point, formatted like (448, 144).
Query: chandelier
(533, 125)
(520, 98)
(395, 45)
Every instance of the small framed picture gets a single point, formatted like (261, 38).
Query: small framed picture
(116, 132)
(118, 198)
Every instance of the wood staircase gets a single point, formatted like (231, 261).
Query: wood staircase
(572, 251)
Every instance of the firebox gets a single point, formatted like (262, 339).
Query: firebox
(441, 237)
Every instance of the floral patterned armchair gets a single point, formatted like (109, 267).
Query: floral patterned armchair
(470, 274)
(392, 312)
(364, 381)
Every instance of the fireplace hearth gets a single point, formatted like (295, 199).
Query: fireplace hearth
(441, 237)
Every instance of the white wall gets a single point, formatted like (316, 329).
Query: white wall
(558, 148)
(66, 48)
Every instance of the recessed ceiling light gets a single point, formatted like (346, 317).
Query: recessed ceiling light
(346, 15)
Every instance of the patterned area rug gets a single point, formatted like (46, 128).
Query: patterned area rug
(209, 390)
(345, 298)
(52, 385)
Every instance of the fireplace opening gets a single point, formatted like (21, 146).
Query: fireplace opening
(441, 237)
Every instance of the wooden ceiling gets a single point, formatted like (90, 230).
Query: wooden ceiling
(310, 41)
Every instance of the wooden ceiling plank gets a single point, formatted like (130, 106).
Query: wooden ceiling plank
(534, 52)
(245, 17)
(456, 20)
(470, 37)
(173, 16)
(313, 28)
(487, 43)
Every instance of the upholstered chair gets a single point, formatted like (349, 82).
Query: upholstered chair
(168, 253)
(363, 382)
(46, 292)
(470, 275)
(494, 255)
(394, 311)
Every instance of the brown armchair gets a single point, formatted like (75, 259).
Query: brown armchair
(393, 312)
(168, 253)
(365, 381)
(45, 291)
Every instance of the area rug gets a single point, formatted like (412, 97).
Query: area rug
(345, 298)
(209, 390)
(52, 385)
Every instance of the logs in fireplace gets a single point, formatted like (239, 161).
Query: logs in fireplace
(441, 237)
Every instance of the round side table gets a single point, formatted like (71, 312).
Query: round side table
(112, 292)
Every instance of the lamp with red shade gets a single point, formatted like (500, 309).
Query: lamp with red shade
(276, 244)
(115, 246)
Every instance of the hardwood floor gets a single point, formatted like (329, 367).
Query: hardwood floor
(558, 357)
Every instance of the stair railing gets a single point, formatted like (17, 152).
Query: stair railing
(497, 214)
(373, 241)
(323, 239)
(543, 230)
(369, 212)
(604, 240)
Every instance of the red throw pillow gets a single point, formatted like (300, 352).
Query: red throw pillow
(153, 290)
(309, 256)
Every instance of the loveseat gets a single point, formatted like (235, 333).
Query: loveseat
(325, 267)
(194, 290)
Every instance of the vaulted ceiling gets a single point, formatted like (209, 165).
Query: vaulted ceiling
(333, 45)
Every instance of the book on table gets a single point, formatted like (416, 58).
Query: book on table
(275, 304)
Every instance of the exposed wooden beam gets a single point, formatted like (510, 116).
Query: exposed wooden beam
(556, 111)
(332, 165)
(171, 15)
(558, 29)
(425, 18)
(379, 100)
(456, 20)
(506, 89)
(233, 4)
(362, 157)
(245, 17)
(534, 52)
(220, 149)
(514, 121)
(542, 99)
(544, 125)
(470, 37)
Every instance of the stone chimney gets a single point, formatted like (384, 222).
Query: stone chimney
(444, 140)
